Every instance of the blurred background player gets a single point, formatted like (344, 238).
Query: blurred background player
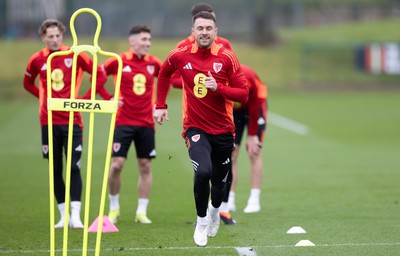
(253, 115)
(51, 32)
(134, 121)
(212, 80)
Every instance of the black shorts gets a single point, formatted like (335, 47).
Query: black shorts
(60, 141)
(143, 137)
(241, 118)
(210, 152)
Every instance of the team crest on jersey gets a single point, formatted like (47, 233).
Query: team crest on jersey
(116, 147)
(150, 69)
(68, 62)
(45, 149)
(196, 138)
(217, 67)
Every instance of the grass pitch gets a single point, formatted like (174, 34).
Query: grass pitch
(339, 183)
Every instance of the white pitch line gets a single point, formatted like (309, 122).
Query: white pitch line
(196, 248)
(287, 124)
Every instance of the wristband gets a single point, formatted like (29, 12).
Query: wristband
(165, 106)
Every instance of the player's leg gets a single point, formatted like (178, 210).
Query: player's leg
(256, 169)
(228, 203)
(231, 199)
(256, 175)
(222, 147)
(240, 119)
(145, 181)
(224, 212)
(114, 187)
(59, 185)
(121, 143)
(76, 179)
(199, 150)
(145, 151)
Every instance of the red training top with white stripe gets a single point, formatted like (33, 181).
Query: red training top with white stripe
(137, 88)
(61, 75)
(176, 80)
(209, 111)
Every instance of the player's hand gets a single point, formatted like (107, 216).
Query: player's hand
(253, 145)
(210, 82)
(120, 101)
(159, 115)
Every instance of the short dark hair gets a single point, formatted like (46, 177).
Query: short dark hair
(139, 29)
(201, 7)
(50, 23)
(204, 15)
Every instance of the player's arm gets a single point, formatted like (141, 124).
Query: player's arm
(87, 65)
(100, 88)
(258, 94)
(163, 86)
(110, 67)
(29, 78)
(236, 89)
(176, 80)
(253, 144)
(254, 105)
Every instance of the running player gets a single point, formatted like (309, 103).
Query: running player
(212, 80)
(176, 82)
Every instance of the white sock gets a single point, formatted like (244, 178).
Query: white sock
(61, 208)
(76, 210)
(202, 223)
(214, 212)
(255, 195)
(114, 201)
(231, 196)
(142, 206)
(224, 207)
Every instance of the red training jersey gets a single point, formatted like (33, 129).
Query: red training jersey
(257, 99)
(209, 111)
(61, 75)
(176, 80)
(137, 88)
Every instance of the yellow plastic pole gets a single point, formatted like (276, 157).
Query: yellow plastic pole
(74, 105)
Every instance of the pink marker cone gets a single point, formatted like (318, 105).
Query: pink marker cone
(108, 226)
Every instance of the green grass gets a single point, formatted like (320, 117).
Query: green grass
(339, 182)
